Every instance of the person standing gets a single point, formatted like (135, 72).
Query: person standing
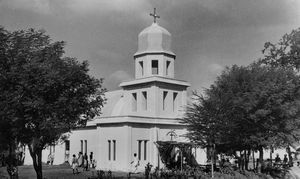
(134, 164)
(243, 161)
(91, 160)
(277, 159)
(51, 158)
(74, 164)
(85, 162)
(80, 159)
(285, 161)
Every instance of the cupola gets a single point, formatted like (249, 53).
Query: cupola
(154, 39)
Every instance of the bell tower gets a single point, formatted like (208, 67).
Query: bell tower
(154, 56)
(155, 92)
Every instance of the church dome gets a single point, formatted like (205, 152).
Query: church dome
(154, 39)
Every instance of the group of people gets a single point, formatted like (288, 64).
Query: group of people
(81, 161)
(278, 159)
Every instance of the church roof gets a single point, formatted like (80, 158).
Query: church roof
(154, 39)
(114, 105)
(155, 79)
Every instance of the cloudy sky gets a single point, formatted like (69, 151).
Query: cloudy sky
(207, 34)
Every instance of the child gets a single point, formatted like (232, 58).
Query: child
(74, 164)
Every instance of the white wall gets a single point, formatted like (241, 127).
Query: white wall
(147, 66)
(127, 137)
(121, 134)
(59, 155)
(89, 134)
(155, 101)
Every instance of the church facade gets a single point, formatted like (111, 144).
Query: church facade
(143, 112)
(146, 109)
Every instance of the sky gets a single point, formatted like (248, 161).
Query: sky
(207, 35)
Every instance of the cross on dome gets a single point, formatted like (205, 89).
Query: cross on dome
(154, 15)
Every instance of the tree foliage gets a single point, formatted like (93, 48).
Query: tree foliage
(285, 53)
(249, 107)
(42, 93)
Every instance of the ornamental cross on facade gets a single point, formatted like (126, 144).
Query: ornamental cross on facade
(154, 15)
(172, 134)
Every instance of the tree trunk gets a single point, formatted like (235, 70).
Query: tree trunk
(288, 150)
(271, 158)
(246, 159)
(261, 158)
(253, 158)
(10, 162)
(36, 154)
(240, 161)
(12, 168)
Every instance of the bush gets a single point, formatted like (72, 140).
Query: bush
(198, 173)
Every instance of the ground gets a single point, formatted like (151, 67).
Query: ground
(58, 172)
(295, 172)
(65, 172)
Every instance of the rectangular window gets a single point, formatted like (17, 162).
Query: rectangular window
(142, 67)
(145, 150)
(165, 93)
(85, 147)
(139, 149)
(167, 67)
(81, 146)
(144, 100)
(114, 145)
(134, 102)
(175, 102)
(67, 144)
(154, 66)
(109, 150)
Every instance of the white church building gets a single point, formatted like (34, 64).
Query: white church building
(144, 111)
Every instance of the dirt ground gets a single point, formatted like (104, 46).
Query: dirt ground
(59, 172)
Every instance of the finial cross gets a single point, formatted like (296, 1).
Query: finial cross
(154, 15)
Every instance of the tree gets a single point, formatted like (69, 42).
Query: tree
(205, 119)
(285, 53)
(252, 107)
(270, 107)
(247, 108)
(42, 93)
